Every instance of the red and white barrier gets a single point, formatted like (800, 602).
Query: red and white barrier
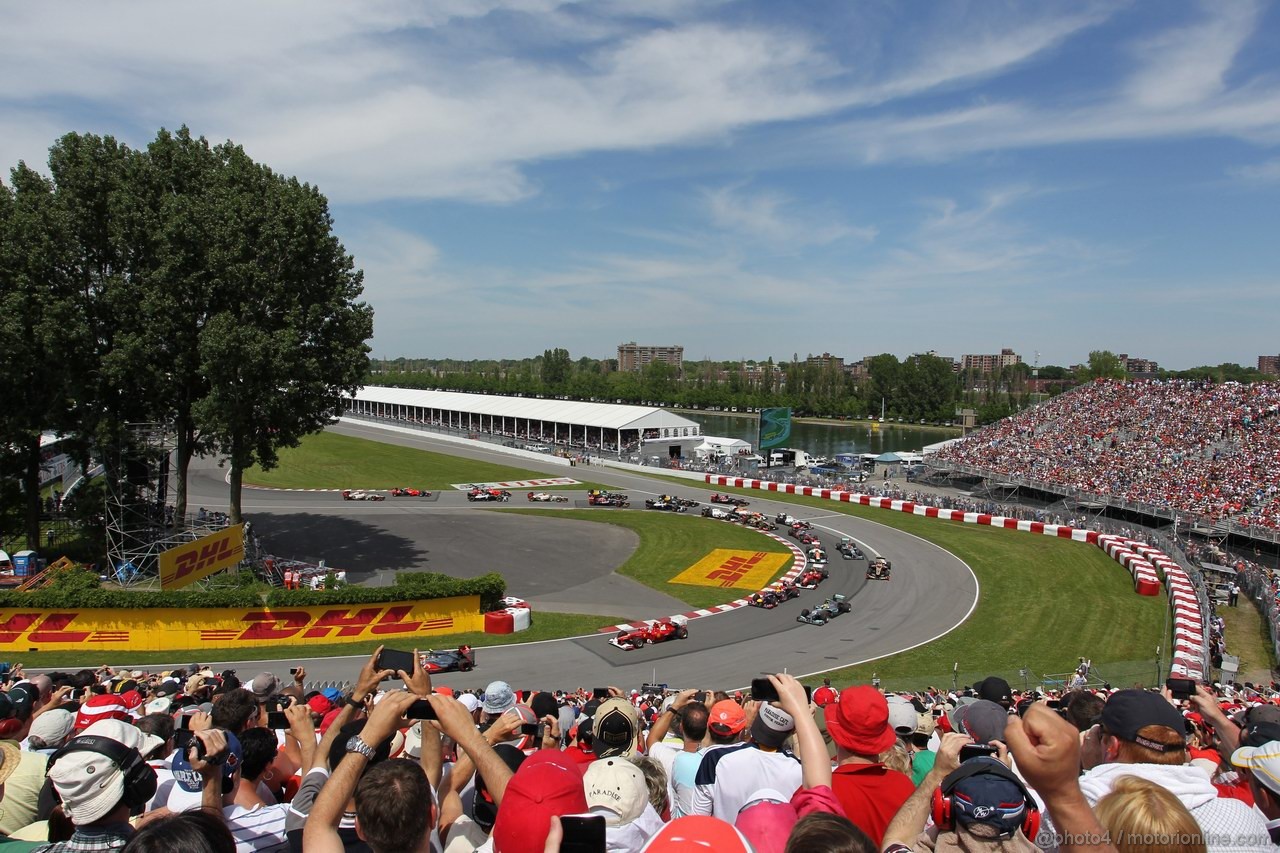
(1144, 563)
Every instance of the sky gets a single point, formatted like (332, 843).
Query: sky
(745, 179)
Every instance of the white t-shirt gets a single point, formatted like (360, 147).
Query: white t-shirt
(727, 778)
(260, 829)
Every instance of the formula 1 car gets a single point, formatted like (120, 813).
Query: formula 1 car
(826, 611)
(361, 495)
(547, 497)
(791, 521)
(812, 576)
(664, 504)
(410, 493)
(479, 494)
(817, 556)
(461, 659)
(596, 497)
(653, 631)
(850, 551)
(729, 499)
(684, 502)
(754, 519)
(774, 594)
(722, 514)
(805, 537)
(879, 569)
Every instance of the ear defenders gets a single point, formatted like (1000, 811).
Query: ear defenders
(139, 778)
(1007, 817)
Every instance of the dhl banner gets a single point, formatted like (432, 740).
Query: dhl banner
(171, 628)
(190, 562)
(725, 568)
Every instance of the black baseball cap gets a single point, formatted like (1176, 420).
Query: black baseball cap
(1127, 711)
(996, 689)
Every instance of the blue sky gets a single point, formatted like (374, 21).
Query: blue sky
(745, 179)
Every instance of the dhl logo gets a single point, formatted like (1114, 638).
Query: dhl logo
(735, 569)
(372, 621)
(192, 561)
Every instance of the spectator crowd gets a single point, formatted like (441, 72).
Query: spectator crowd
(192, 760)
(1207, 450)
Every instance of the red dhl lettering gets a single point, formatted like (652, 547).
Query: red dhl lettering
(348, 624)
(274, 626)
(392, 622)
(16, 625)
(53, 630)
(732, 569)
(195, 560)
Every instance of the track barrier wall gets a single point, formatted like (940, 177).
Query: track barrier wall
(167, 628)
(1143, 562)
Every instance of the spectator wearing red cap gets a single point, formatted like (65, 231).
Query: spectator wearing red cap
(546, 785)
(869, 792)
(826, 694)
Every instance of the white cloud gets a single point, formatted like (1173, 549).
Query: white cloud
(1259, 173)
(770, 216)
(1188, 65)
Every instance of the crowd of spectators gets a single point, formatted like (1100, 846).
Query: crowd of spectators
(1208, 450)
(194, 761)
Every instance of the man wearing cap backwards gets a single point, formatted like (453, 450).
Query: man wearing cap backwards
(728, 778)
(869, 792)
(1142, 734)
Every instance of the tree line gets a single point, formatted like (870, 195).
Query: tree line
(182, 284)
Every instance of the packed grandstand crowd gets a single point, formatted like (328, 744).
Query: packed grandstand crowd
(193, 760)
(1209, 450)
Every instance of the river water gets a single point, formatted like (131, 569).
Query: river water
(826, 439)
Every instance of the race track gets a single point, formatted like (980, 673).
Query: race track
(567, 565)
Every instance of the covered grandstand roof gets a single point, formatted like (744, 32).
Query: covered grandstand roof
(600, 415)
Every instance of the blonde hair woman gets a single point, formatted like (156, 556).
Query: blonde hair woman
(1143, 817)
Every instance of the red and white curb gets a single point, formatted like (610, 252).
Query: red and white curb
(1141, 560)
(800, 562)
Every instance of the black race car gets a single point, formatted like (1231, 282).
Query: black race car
(479, 494)
(826, 611)
(879, 569)
(849, 550)
(729, 499)
(461, 659)
(664, 504)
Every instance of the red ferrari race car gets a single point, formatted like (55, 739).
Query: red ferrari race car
(410, 493)
(478, 494)
(546, 497)
(812, 576)
(729, 499)
(461, 659)
(806, 537)
(653, 631)
(361, 495)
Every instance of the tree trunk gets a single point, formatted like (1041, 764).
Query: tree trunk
(182, 460)
(31, 492)
(237, 477)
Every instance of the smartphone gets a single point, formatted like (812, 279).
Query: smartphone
(396, 660)
(762, 690)
(700, 697)
(582, 834)
(808, 695)
(977, 750)
(182, 740)
(420, 710)
(293, 670)
(534, 729)
(277, 720)
(600, 693)
(182, 723)
(1181, 688)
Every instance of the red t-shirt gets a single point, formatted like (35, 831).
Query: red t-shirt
(871, 795)
(824, 696)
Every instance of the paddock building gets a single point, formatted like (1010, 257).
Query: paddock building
(532, 422)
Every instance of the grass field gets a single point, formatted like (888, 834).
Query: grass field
(669, 544)
(1044, 603)
(1248, 638)
(545, 626)
(328, 460)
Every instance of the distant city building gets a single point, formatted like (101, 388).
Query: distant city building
(1269, 364)
(950, 362)
(1135, 366)
(984, 364)
(633, 357)
(825, 361)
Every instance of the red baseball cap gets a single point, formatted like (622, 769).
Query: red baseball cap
(727, 717)
(537, 791)
(697, 832)
(859, 721)
(320, 704)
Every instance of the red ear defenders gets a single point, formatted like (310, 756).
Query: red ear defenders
(1007, 817)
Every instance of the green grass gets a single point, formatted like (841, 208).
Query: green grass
(546, 626)
(1043, 603)
(328, 460)
(1248, 638)
(669, 544)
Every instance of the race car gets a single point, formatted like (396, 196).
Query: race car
(791, 521)
(729, 499)
(461, 659)
(812, 576)
(410, 493)
(479, 494)
(361, 495)
(786, 590)
(547, 497)
(806, 537)
(664, 504)
(879, 569)
(826, 611)
(849, 550)
(684, 502)
(817, 556)
(595, 497)
(716, 512)
(766, 598)
(652, 631)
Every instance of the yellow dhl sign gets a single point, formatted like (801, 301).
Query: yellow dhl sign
(169, 628)
(192, 561)
(726, 568)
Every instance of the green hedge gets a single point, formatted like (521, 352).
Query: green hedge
(79, 588)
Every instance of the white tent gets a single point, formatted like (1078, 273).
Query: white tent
(715, 446)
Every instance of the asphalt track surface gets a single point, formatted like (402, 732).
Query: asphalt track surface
(568, 565)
